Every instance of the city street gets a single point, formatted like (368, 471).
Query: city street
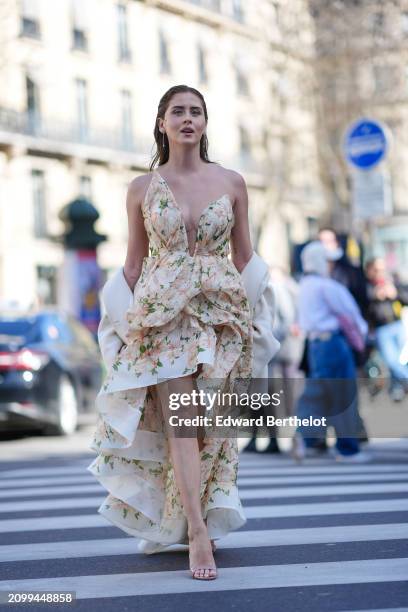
(319, 536)
(204, 228)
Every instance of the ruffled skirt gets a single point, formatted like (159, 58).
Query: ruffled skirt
(133, 464)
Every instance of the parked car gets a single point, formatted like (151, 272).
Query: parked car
(50, 372)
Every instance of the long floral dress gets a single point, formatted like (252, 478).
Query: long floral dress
(187, 309)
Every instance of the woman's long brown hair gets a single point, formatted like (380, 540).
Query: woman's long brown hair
(162, 149)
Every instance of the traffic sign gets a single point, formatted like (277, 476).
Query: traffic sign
(366, 143)
(371, 194)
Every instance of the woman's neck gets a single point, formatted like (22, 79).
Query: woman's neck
(184, 161)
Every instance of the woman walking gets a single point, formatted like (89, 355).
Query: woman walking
(188, 327)
(327, 314)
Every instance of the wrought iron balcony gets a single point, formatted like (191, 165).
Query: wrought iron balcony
(212, 12)
(217, 7)
(53, 135)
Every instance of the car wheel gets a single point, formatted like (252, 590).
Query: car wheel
(67, 410)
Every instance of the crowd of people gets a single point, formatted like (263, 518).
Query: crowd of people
(328, 321)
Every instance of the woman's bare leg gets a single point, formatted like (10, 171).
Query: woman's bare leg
(185, 455)
(201, 444)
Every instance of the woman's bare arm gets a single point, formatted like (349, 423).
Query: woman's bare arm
(241, 247)
(138, 242)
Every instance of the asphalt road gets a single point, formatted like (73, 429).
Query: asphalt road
(320, 536)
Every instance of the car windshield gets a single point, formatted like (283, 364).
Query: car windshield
(19, 330)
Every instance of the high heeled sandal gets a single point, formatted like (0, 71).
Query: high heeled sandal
(196, 569)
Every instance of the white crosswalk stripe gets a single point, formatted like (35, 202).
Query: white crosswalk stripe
(252, 512)
(248, 467)
(258, 467)
(276, 511)
(352, 489)
(265, 576)
(369, 507)
(240, 539)
(243, 481)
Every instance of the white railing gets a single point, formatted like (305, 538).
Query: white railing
(34, 125)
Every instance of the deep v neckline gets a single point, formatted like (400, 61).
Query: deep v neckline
(176, 204)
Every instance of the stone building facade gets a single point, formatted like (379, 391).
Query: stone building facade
(80, 82)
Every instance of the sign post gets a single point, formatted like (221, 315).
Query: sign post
(365, 146)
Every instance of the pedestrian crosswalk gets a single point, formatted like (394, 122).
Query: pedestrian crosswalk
(319, 536)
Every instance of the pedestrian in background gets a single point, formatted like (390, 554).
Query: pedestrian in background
(348, 273)
(261, 385)
(342, 270)
(285, 363)
(386, 299)
(283, 368)
(324, 306)
(352, 276)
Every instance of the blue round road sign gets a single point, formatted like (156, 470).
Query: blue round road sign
(365, 144)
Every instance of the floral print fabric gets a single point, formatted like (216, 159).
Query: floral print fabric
(187, 309)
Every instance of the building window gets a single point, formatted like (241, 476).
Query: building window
(123, 35)
(79, 40)
(47, 285)
(378, 22)
(265, 139)
(82, 108)
(276, 9)
(312, 225)
(244, 142)
(202, 67)
(165, 66)
(85, 187)
(39, 204)
(214, 5)
(126, 119)
(33, 106)
(242, 82)
(80, 25)
(404, 22)
(237, 11)
(30, 22)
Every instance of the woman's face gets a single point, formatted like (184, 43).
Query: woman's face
(377, 270)
(184, 120)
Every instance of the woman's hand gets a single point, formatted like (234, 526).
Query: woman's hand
(241, 247)
(138, 242)
(384, 292)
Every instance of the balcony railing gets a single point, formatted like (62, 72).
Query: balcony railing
(216, 6)
(221, 10)
(31, 124)
(212, 5)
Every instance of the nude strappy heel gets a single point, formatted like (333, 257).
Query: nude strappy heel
(197, 569)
